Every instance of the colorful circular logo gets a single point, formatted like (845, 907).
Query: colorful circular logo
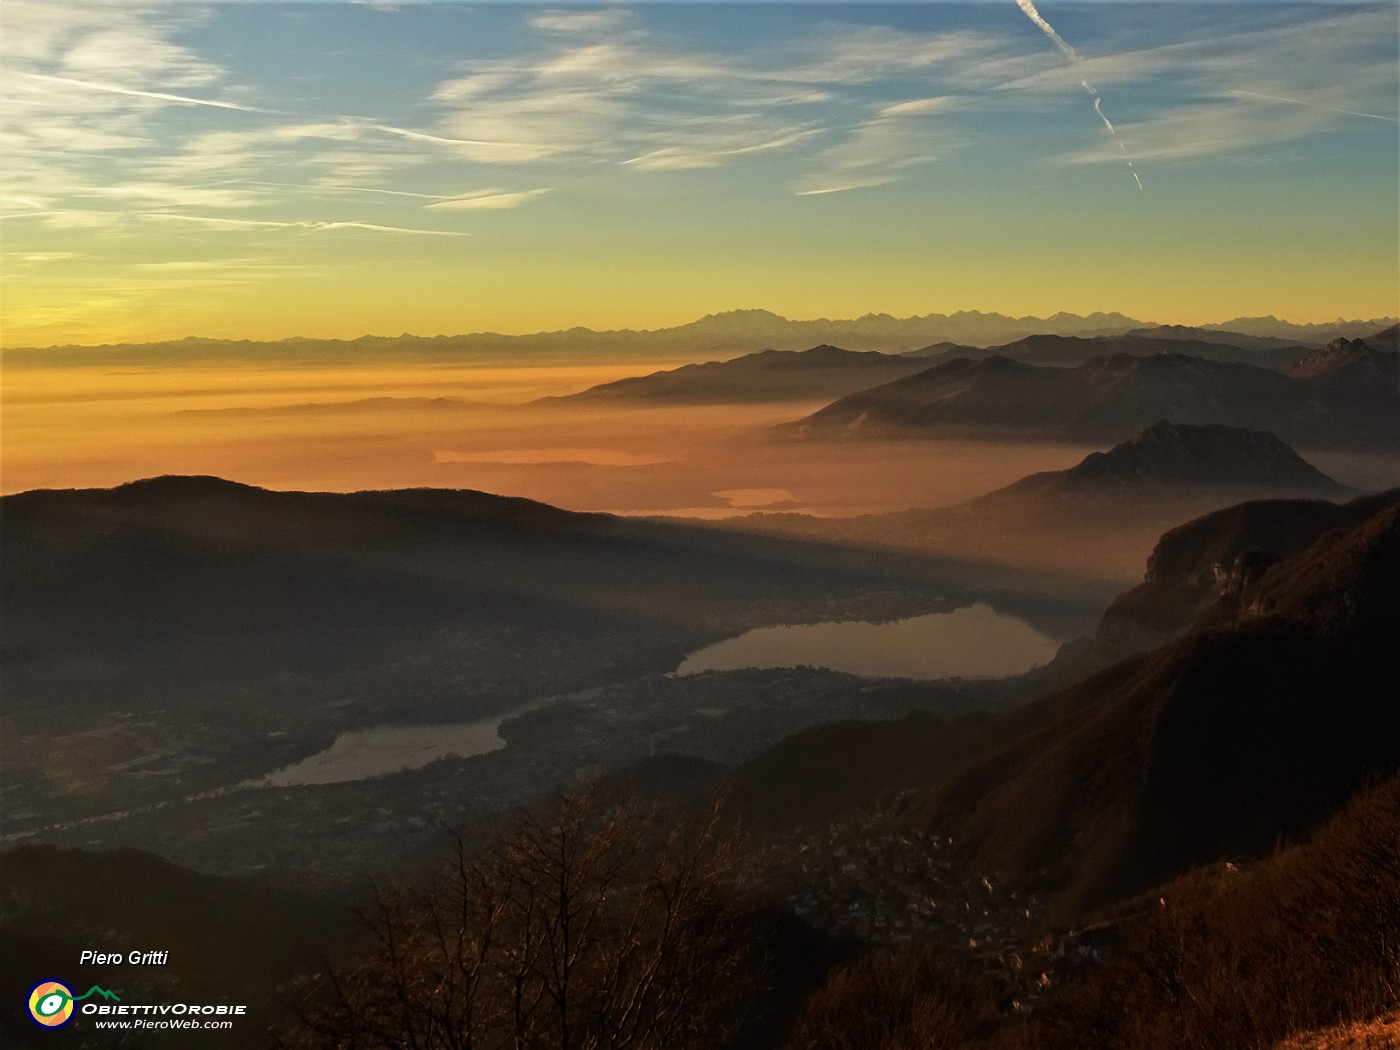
(51, 1004)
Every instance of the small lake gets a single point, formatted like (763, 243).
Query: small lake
(380, 750)
(972, 642)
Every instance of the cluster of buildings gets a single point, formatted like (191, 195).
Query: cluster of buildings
(873, 881)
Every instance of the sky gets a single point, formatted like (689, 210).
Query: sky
(331, 169)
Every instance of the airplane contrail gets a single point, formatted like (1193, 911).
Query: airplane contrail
(1028, 8)
(160, 96)
(1315, 105)
(1049, 30)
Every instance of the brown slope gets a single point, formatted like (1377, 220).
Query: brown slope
(1385, 339)
(1184, 571)
(1234, 957)
(1255, 725)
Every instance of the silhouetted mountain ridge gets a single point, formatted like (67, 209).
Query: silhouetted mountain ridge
(1208, 454)
(1110, 398)
(771, 375)
(1176, 332)
(186, 591)
(1072, 350)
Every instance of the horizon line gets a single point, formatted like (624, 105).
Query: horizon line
(487, 333)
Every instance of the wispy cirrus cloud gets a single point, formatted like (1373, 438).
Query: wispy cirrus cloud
(87, 89)
(490, 200)
(601, 88)
(566, 21)
(716, 148)
(43, 79)
(1226, 89)
(898, 136)
(95, 219)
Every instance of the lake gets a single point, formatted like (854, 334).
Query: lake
(389, 749)
(973, 642)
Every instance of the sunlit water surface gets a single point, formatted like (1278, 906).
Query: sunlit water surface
(972, 642)
(380, 750)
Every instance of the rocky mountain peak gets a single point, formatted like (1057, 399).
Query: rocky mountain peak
(1209, 453)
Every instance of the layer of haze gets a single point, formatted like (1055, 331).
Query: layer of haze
(318, 428)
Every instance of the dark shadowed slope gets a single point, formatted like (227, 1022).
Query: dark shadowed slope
(772, 375)
(202, 594)
(1386, 339)
(230, 940)
(945, 350)
(1111, 398)
(1255, 725)
(1235, 956)
(1192, 561)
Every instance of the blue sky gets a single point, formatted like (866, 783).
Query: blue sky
(327, 168)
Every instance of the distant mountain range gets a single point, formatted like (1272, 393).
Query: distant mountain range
(732, 332)
(1346, 396)
(1272, 327)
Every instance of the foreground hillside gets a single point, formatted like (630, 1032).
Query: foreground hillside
(1255, 725)
(1298, 952)
(1150, 811)
(234, 940)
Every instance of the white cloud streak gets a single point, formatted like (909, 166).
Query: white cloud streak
(1073, 57)
(1314, 105)
(159, 96)
(490, 200)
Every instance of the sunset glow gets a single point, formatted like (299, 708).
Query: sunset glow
(264, 170)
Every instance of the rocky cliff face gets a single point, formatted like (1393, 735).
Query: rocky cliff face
(1216, 555)
(1258, 722)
